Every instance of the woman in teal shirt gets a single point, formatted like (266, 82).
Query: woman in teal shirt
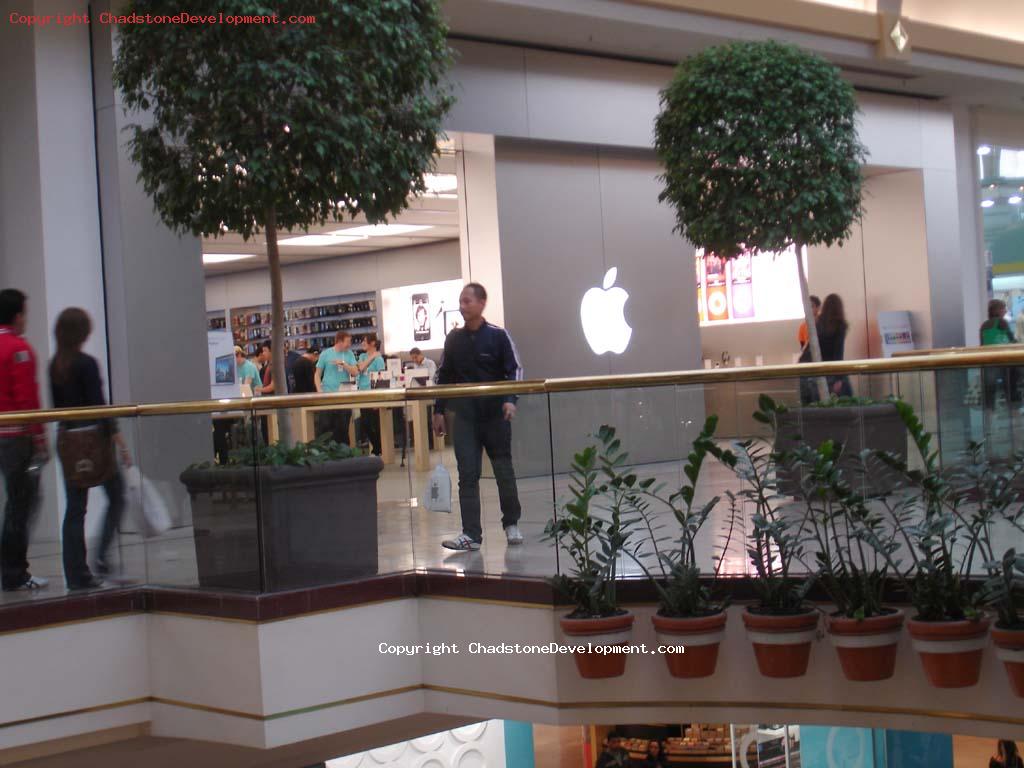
(370, 361)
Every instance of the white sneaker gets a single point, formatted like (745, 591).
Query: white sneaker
(514, 535)
(461, 543)
(33, 582)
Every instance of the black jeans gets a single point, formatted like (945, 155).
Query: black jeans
(472, 436)
(369, 421)
(334, 423)
(22, 500)
(76, 569)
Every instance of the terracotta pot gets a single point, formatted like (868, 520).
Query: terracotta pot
(599, 634)
(866, 647)
(700, 636)
(950, 651)
(782, 644)
(1010, 650)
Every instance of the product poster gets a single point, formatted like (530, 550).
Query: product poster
(751, 288)
(223, 377)
(895, 330)
(420, 315)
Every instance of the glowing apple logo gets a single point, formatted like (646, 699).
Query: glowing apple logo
(602, 313)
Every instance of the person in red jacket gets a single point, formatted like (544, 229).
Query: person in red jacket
(22, 447)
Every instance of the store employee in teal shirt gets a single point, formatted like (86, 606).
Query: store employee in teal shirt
(336, 366)
(371, 361)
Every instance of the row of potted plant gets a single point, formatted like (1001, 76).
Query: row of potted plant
(929, 534)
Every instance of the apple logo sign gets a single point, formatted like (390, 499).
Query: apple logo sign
(602, 313)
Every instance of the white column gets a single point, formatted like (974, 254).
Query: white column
(478, 220)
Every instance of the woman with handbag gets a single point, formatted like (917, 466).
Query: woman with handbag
(86, 449)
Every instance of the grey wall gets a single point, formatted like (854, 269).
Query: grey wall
(566, 215)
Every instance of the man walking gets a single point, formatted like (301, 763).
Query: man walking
(336, 367)
(480, 352)
(22, 448)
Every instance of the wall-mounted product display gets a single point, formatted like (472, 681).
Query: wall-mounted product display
(216, 321)
(223, 376)
(420, 315)
(309, 323)
(751, 288)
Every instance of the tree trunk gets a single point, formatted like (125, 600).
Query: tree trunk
(812, 329)
(284, 424)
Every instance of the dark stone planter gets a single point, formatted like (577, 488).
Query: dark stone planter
(874, 427)
(316, 525)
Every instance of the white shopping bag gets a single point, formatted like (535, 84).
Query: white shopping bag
(437, 496)
(146, 506)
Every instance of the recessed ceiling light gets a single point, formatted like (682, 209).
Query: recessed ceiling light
(440, 182)
(382, 230)
(220, 258)
(320, 240)
(987, 203)
(983, 150)
(1014, 200)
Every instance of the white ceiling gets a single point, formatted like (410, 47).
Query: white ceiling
(438, 212)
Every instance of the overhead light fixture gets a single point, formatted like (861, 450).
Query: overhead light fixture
(983, 150)
(220, 258)
(320, 240)
(440, 183)
(382, 230)
(988, 203)
(1014, 200)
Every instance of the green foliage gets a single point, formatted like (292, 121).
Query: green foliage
(946, 524)
(592, 542)
(314, 122)
(1004, 590)
(777, 539)
(317, 451)
(677, 578)
(760, 149)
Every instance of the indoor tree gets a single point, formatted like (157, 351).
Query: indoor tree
(760, 152)
(263, 128)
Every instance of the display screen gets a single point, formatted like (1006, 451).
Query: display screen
(751, 288)
(420, 315)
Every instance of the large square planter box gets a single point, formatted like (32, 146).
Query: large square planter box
(875, 427)
(309, 525)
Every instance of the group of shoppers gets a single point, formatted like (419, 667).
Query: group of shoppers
(75, 381)
(614, 755)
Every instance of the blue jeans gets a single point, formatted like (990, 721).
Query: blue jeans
(473, 436)
(76, 568)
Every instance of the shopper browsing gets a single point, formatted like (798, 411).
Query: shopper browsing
(248, 374)
(22, 448)
(422, 361)
(335, 368)
(371, 361)
(266, 386)
(480, 352)
(304, 371)
(613, 755)
(803, 337)
(75, 383)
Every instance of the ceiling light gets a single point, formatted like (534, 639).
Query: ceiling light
(382, 230)
(987, 203)
(315, 240)
(220, 258)
(983, 150)
(440, 182)
(1014, 200)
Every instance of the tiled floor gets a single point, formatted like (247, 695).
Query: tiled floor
(409, 537)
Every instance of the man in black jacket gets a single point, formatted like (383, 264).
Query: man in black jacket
(476, 353)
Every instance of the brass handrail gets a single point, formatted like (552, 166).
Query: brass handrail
(931, 360)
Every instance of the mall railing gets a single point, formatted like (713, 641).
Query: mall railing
(219, 507)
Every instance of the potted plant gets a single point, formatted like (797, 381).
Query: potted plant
(852, 571)
(280, 517)
(1004, 591)
(781, 626)
(760, 149)
(945, 524)
(303, 140)
(593, 544)
(687, 614)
